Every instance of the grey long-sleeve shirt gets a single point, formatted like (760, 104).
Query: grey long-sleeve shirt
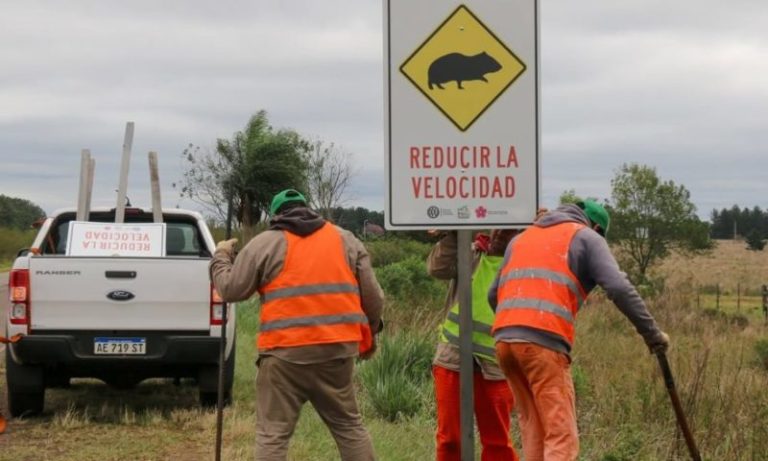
(591, 260)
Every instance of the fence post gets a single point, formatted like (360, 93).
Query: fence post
(717, 302)
(738, 297)
(698, 297)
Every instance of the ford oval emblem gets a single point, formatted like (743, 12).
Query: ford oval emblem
(120, 295)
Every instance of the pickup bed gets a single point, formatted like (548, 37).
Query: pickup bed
(118, 319)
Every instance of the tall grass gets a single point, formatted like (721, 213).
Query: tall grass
(397, 381)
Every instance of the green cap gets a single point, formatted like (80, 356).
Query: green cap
(288, 195)
(596, 213)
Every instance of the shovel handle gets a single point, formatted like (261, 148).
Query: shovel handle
(669, 382)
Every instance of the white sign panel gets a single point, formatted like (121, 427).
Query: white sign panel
(111, 239)
(462, 119)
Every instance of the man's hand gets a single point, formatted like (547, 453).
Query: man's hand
(227, 246)
(659, 343)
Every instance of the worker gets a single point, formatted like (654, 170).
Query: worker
(3, 340)
(492, 395)
(320, 303)
(547, 273)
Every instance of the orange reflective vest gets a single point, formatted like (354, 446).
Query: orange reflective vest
(536, 287)
(315, 299)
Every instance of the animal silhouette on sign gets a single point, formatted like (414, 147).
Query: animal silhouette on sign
(460, 68)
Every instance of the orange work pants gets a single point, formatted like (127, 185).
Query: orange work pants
(541, 382)
(493, 405)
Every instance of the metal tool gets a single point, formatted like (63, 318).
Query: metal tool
(681, 420)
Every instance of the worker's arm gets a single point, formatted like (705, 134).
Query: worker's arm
(371, 294)
(604, 270)
(259, 262)
(442, 260)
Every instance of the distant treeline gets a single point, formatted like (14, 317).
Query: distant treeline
(18, 213)
(739, 222)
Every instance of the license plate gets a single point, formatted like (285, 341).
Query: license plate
(119, 346)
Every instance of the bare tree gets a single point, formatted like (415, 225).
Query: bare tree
(329, 175)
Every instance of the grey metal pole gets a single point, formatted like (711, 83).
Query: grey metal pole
(465, 345)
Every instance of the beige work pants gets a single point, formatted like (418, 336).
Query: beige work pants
(283, 388)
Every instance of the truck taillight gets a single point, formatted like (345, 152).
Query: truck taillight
(18, 287)
(216, 306)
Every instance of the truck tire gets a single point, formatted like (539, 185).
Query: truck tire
(26, 388)
(208, 378)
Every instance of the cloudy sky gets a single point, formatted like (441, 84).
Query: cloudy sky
(681, 86)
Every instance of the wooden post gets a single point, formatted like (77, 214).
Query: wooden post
(124, 166)
(82, 193)
(154, 178)
(738, 297)
(718, 297)
(466, 361)
(89, 188)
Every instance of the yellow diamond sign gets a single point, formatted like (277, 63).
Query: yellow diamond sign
(462, 68)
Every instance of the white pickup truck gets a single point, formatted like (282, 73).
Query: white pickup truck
(118, 319)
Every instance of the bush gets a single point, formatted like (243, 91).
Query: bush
(13, 240)
(761, 348)
(393, 250)
(407, 281)
(397, 380)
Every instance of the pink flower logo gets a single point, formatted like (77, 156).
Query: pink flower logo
(481, 211)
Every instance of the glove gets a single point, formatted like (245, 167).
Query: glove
(227, 246)
(659, 343)
(369, 353)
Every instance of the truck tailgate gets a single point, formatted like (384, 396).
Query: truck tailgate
(119, 294)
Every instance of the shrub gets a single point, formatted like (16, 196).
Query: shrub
(407, 281)
(761, 348)
(397, 380)
(392, 250)
(12, 240)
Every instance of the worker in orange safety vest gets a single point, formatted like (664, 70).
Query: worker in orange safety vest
(547, 273)
(4, 340)
(320, 305)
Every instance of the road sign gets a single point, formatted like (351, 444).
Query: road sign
(462, 113)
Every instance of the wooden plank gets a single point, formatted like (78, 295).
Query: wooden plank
(82, 193)
(124, 166)
(154, 178)
(89, 188)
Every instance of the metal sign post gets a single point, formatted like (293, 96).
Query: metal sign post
(462, 131)
(466, 367)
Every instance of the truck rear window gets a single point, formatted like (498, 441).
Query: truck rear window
(182, 237)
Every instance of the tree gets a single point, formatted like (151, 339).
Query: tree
(755, 241)
(18, 213)
(650, 217)
(329, 175)
(255, 164)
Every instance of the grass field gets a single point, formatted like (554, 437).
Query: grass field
(624, 410)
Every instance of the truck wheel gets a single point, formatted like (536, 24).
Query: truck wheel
(208, 378)
(26, 389)
(25, 403)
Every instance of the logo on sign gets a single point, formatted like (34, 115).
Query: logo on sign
(120, 295)
(462, 68)
(463, 212)
(433, 212)
(481, 211)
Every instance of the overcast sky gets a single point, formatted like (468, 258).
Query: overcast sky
(681, 86)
